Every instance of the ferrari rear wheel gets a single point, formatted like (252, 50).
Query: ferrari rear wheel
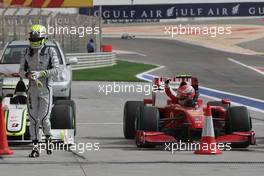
(129, 118)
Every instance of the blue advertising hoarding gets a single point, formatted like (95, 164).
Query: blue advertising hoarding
(172, 11)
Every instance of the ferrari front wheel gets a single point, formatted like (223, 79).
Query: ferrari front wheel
(147, 120)
(129, 118)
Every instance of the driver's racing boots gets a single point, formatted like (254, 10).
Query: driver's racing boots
(48, 145)
(35, 151)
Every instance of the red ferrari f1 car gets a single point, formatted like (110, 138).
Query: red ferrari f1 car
(152, 125)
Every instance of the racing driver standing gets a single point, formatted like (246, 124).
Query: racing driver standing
(39, 64)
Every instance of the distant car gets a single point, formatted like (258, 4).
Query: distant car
(10, 63)
(127, 36)
(152, 125)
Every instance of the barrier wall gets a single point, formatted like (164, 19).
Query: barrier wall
(93, 60)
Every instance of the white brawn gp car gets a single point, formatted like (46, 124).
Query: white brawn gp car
(63, 118)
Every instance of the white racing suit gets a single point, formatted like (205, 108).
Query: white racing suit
(39, 99)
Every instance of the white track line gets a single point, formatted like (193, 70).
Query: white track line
(140, 75)
(246, 66)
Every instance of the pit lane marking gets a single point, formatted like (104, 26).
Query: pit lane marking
(246, 66)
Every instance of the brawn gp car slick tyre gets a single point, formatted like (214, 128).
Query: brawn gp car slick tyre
(147, 120)
(129, 118)
(63, 115)
(238, 120)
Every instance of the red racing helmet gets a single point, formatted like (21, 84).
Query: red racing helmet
(185, 92)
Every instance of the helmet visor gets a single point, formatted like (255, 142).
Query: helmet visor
(35, 34)
(35, 39)
(36, 43)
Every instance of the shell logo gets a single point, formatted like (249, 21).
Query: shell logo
(48, 3)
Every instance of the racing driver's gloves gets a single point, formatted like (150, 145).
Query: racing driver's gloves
(39, 74)
(34, 75)
(35, 151)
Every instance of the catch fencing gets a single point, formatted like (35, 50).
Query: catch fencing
(15, 25)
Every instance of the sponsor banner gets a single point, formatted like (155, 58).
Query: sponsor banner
(172, 11)
(46, 3)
